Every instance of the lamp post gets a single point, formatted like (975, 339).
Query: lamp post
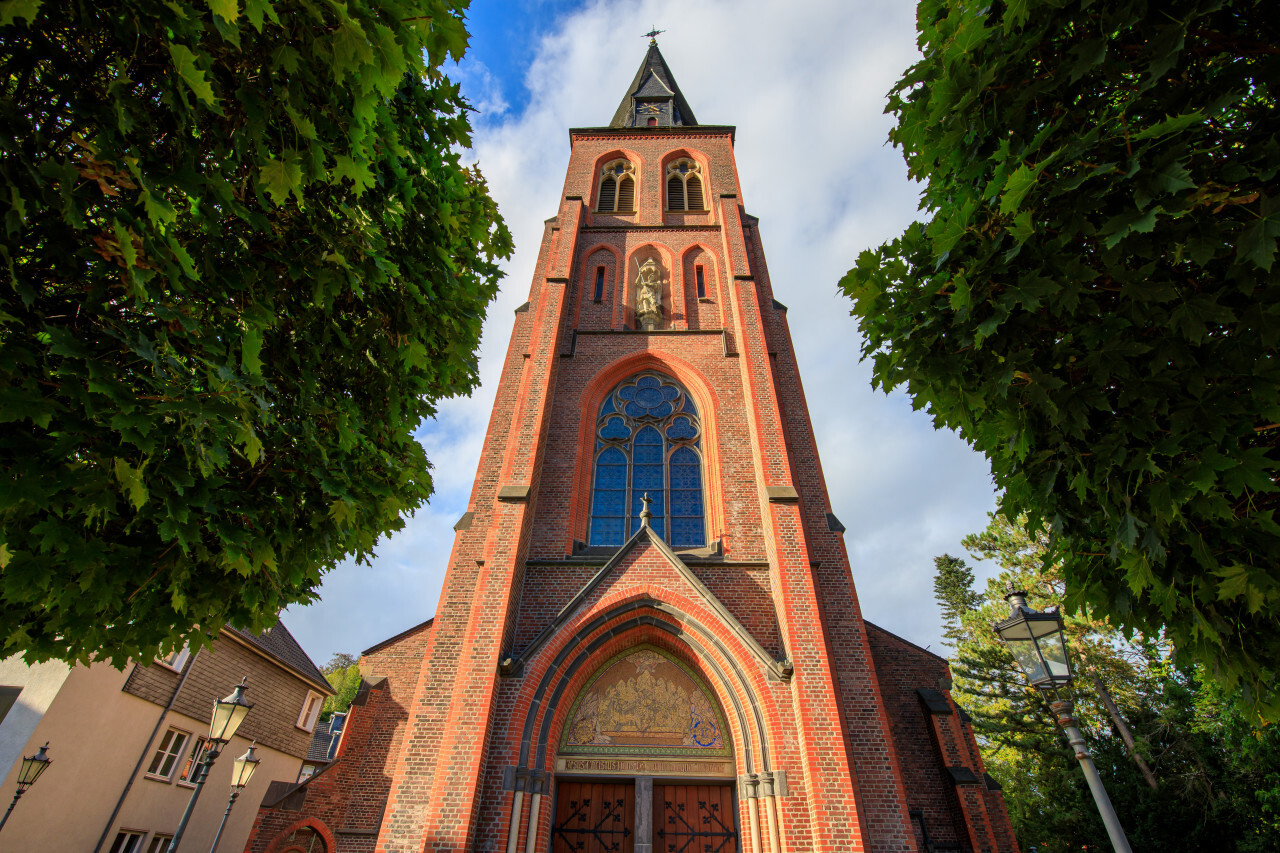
(32, 767)
(240, 776)
(228, 714)
(1037, 643)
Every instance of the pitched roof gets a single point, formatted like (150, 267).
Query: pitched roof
(653, 80)
(320, 741)
(276, 642)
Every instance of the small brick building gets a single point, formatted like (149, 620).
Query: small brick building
(648, 637)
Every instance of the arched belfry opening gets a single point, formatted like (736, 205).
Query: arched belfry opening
(645, 761)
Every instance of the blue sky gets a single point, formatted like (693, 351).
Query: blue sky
(805, 84)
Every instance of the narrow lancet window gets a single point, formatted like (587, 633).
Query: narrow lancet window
(648, 441)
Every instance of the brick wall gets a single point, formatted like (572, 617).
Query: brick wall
(929, 741)
(434, 740)
(349, 797)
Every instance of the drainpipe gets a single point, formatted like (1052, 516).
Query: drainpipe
(146, 750)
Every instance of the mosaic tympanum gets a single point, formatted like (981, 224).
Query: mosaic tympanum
(645, 702)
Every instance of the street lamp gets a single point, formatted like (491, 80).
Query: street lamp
(32, 767)
(1036, 640)
(228, 714)
(240, 776)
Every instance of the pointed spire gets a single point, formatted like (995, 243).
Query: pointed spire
(653, 99)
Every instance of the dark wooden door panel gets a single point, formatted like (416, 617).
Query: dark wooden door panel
(594, 817)
(694, 819)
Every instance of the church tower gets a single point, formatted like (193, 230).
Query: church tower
(648, 637)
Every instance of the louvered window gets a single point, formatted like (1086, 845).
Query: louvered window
(675, 193)
(617, 188)
(608, 191)
(648, 441)
(693, 193)
(684, 186)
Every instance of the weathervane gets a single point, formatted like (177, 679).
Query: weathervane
(653, 34)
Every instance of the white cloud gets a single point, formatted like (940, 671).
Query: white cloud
(805, 83)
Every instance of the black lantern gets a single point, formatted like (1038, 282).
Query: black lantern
(32, 767)
(229, 713)
(28, 773)
(1035, 638)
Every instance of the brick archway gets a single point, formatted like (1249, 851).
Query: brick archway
(283, 843)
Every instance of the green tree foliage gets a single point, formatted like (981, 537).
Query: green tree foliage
(1094, 302)
(343, 672)
(242, 262)
(1218, 772)
(953, 588)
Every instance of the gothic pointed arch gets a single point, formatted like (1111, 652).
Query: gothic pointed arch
(646, 702)
(648, 442)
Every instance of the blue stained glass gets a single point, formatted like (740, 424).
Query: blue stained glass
(615, 428)
(609, 502)
(624, 474)
(681, 429)
(687, 533)
(686, 503)
(606, 531)
(655, 507)
(685, 477)
(648, 397)
(647, 478)
(611, 477)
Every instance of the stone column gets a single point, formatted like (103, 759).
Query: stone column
(768, 792)
(750, 791)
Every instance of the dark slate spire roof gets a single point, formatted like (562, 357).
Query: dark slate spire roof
(653, 94)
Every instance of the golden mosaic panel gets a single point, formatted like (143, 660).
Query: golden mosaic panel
(643, 702)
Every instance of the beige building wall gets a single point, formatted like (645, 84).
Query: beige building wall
(97, 733)
(39, 684)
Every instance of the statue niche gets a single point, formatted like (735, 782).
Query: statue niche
(648, 293)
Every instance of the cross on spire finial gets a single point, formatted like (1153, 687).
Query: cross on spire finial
(645, 514)
(653, 34)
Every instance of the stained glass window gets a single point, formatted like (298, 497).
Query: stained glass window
(648, 441)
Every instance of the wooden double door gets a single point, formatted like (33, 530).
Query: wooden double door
(607, 817)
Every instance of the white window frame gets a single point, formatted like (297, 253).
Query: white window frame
(124, 836)
(193, 761)
(159, 843)
(164, 752)
(310, 713)
(176, 660)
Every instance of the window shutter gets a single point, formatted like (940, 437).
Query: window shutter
(608, 189)
(693, 187)
(675, 193)
(626, 195)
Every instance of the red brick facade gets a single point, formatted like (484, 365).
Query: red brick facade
(834, 745)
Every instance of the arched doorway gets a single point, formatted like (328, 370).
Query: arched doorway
(645, 762)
